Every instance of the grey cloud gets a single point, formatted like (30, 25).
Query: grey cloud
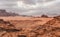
(29, 1)
(52, 11)
(7, 4)
(35, 1)
(49, 0)
(11, 5)
(9, 0)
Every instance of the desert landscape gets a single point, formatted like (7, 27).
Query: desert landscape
(14, 25)
(19, 26)
(29, 18)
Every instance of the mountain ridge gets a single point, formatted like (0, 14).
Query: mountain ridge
(5, 13)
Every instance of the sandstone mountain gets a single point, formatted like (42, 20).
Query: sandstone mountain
(5, 13)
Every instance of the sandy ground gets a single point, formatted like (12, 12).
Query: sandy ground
(29, 27)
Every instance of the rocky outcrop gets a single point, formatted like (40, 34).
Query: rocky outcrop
(44, 16)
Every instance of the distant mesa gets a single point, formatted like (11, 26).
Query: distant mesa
(2, 10)
(44, 16)
(57, 16)
(5, 13)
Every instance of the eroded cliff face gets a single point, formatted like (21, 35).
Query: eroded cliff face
(46, 27)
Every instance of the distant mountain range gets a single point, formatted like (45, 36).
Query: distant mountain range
(5, 13)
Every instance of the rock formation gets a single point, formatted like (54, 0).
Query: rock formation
(5, 13)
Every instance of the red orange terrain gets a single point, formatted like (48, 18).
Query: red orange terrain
(29, 26)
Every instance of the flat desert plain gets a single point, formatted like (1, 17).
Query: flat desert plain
(19, 26)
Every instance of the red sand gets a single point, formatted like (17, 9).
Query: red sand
(29, 27)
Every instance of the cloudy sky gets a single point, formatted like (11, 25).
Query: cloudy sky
(32, 7)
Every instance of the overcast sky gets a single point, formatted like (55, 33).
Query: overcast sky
(32, 7)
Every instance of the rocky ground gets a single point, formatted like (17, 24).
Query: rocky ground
(46, 27)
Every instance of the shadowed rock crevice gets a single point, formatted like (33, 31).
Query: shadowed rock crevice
(12, 30)
(22, 36)
(9, 30)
